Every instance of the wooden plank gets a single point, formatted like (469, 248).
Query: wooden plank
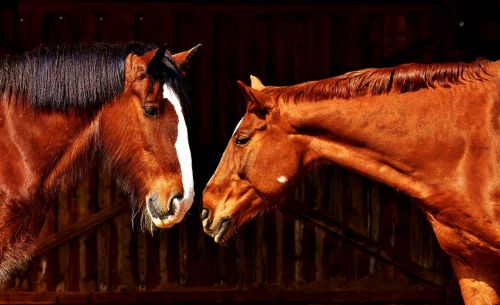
(348, 265)
(104, 235)
(59, 29)
(214, 295)
(373, 218)
(259, 259)
(246, 249)
(28, 29)
(153, 256)
(290, 59)
(89, 266)
(7, 36)
(318, 47)
(123, 275)
(172, 255)
(63, 249)
(79, 228)
(369, 246)
(376, 41)
(163, 265)
(115, 27)
(83, 26)
(140, 262)
(239, 8)
(388, 221)
(73, 203)
(354, 44)
(156, 27)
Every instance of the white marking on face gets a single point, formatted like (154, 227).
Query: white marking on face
(282, 179)
(238, 125)
(183, 154)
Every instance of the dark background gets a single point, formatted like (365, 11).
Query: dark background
(343, 239)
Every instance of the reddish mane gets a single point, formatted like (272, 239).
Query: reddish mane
(377, 81)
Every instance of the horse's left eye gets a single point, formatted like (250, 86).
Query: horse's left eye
(151, 111)
(241, 140)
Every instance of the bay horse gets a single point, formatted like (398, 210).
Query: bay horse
(63, 107)
(430, 131)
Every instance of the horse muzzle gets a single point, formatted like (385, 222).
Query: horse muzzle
(166, 213)
(221, 230)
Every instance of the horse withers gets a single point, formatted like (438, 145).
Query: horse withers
(430, 131)
(62, 106)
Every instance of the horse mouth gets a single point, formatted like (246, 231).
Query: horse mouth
(222, 232)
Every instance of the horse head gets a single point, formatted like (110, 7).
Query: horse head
(143, 135)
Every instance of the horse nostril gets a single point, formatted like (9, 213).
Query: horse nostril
(153, 206)
(204, 214)
(172, 206)
(152, 199)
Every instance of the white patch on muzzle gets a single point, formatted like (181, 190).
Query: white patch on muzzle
(183, 154)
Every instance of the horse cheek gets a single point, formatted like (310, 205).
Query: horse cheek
(281, 164)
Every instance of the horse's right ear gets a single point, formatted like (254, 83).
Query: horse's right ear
(182, 59)
(256, 83)
(256, 100)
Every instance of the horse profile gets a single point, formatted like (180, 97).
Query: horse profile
(62, 107)
(430, 131)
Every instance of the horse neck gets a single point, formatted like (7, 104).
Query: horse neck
(53, 145)
(76, 155)
(390, 138)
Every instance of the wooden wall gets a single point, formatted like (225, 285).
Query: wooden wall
(342, 234)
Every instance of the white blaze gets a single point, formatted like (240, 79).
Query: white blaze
(183, 151)
(237, 126)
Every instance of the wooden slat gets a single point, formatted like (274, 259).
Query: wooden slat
(79, 228)
(104, 235)
(369, 246)
(239, 8)
(214, 295)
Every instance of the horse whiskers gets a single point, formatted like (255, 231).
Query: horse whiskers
(134, 214)
(147, 223)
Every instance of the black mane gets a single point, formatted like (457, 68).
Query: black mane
(80, 76)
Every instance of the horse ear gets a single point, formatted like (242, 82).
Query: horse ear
(256, 100)
(182, 58)
(255, 83)
(160, 54)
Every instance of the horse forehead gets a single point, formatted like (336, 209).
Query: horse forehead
(238, 125)
(249, 121)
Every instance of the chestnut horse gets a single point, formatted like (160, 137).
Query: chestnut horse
(431, 131)
(62, 106)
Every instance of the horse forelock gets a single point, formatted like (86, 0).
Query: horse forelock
(378, 81)
(63, 77)
(166, 72)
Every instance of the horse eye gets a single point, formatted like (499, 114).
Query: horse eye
(151, 111)
(241, 140)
